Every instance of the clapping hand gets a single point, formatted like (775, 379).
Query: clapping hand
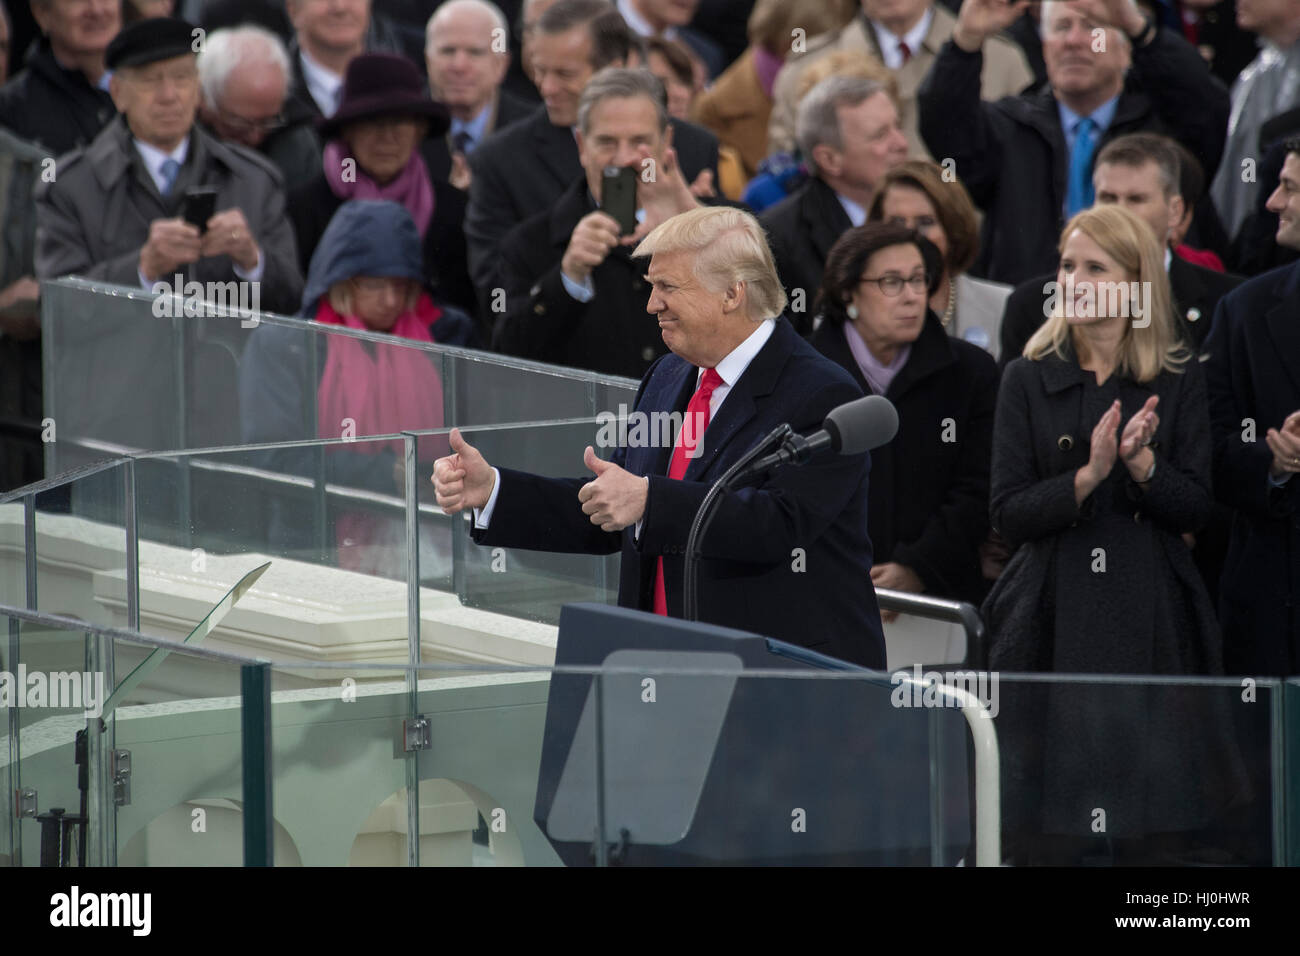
(1285, 445)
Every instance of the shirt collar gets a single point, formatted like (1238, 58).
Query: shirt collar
(914, 37)
(322, 84)
(733, 366)
(1169, 258)
(475, 127)
(857, 215)
(639, 24)
(154, 157)
(1102, 116)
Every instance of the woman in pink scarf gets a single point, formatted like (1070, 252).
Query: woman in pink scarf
(367, 275)
(374, 149)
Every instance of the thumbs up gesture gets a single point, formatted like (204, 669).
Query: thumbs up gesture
(615, 499)
(463, 479)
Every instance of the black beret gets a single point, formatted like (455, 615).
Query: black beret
(148, 41)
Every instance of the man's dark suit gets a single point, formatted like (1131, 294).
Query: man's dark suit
(1012, 157)
(509, 109)
(1254, 380)
(520, 171)
(612, 333)
(801, 230)
(1196, 291)
(788, 558)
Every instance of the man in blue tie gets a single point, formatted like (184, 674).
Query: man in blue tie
(1027, 159)
(467, 57)
(787, 556)
(114, 209)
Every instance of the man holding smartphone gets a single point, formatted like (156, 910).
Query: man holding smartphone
(573, 293)
(117, 210)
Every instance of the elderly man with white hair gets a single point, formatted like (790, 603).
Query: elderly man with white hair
(788, 555)
(244, 75)
(1027, 159)
(467, 52)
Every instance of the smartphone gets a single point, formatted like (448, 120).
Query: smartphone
(200, 203)
(618, 196)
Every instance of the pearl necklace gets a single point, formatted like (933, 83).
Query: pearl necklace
(951, 310)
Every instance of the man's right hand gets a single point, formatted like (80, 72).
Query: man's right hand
(594, 236)
(980, 19)
(463, 479)
(172, 243)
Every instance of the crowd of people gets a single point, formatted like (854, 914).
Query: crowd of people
(1059, 237)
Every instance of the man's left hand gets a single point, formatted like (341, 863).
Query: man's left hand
(616, 499)
(228, 235)
(895, 577)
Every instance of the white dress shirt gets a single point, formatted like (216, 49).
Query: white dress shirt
(857, 215)
(639, 24)
(323, 84)
(729, 370)
(888, 42)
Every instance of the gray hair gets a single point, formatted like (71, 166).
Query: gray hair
(452, 6)
(817, 122)
(618, 83)
(225, 50)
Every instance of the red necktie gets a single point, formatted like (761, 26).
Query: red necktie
(904, 50)
(690, 436)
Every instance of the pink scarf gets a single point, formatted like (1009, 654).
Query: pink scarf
(394, 389)
(411, 187)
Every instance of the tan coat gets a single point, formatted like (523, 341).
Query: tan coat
(736, 109)
(1006, 72)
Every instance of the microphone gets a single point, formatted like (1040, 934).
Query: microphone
(849, 429)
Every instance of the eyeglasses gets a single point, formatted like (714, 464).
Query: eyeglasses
(241, 125)
(892, 285)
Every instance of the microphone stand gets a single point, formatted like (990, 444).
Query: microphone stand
(708, 508)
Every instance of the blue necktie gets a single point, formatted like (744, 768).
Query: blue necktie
(1080, 194)
(170, 170)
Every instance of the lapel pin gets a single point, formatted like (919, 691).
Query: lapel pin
(1065, 442)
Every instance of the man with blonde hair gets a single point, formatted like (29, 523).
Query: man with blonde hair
(787, 557)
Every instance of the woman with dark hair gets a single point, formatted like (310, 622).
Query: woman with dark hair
(373, 150)
(366, 275)
(928, 505)
(917, 195)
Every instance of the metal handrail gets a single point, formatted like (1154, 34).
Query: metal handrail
(942, 609)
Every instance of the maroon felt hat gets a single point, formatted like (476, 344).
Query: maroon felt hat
(384, 84)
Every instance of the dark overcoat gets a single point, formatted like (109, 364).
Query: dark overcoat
(1254, 384)
(1108, 587)
(930, 486)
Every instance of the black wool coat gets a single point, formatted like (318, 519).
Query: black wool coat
(612, 334)
(801, 230)
(1109, 587)
(928, 507)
